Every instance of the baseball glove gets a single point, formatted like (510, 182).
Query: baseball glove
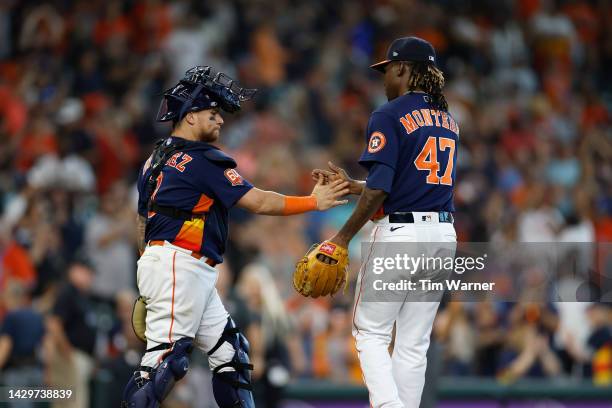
(322, 271)
(139, 316)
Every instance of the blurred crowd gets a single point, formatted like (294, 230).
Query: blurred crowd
(528, 81)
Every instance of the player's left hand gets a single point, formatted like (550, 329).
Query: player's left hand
(327, 195)
(322, 271)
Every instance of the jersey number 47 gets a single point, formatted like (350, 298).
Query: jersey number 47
(427, 160)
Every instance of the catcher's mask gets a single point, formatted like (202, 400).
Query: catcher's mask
(202, 88)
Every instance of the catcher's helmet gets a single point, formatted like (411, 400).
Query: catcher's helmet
(202, 88)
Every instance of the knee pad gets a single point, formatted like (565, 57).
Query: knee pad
(232, 378)
(149, 392)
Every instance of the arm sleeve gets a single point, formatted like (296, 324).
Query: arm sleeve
(227, 184)
(380, 177)
(382, 143)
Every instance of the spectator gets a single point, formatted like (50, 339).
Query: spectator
(597, 355)
(110, 242)
(125, 348)
(453, 326)
(274, 348)
(15, 263)
(71, 337)
(489, 338)
(600, 343)
(542, 221)
(527, 351)
(334, 350)
(21, 336)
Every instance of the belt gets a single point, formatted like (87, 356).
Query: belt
(408, 217)
(196, 255)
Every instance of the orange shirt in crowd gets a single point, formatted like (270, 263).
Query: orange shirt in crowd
(585, 20)
(105, 29)
(117, 153)
(15, 265)
(270, 56)
(321, 366)
(13, 110)
(34, 145)
(152, 25)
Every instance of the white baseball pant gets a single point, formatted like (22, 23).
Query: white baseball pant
(397, 380)
(182, 301)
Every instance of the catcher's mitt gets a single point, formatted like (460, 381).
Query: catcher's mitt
(139, 315)
(322, 271)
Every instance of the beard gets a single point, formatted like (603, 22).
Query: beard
(211, 136)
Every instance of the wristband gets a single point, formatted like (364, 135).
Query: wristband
(299, 205)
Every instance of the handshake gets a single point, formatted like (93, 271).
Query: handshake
(324, 268)
(337, 174)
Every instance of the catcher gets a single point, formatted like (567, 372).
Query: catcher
(186, 189)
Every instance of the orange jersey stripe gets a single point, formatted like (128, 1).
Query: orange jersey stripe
(192, 232)
(203, 205)
(191, 235)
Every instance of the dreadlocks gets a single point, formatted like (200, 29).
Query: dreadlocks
(430, 79)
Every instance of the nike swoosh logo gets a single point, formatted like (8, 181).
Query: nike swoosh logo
(396, 228)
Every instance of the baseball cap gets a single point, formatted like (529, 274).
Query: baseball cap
(408, 49)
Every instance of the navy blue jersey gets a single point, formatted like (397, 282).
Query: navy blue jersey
(411, 154)
(201, 179)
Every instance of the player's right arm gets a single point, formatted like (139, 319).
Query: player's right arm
(380, 158)
(323, 197)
